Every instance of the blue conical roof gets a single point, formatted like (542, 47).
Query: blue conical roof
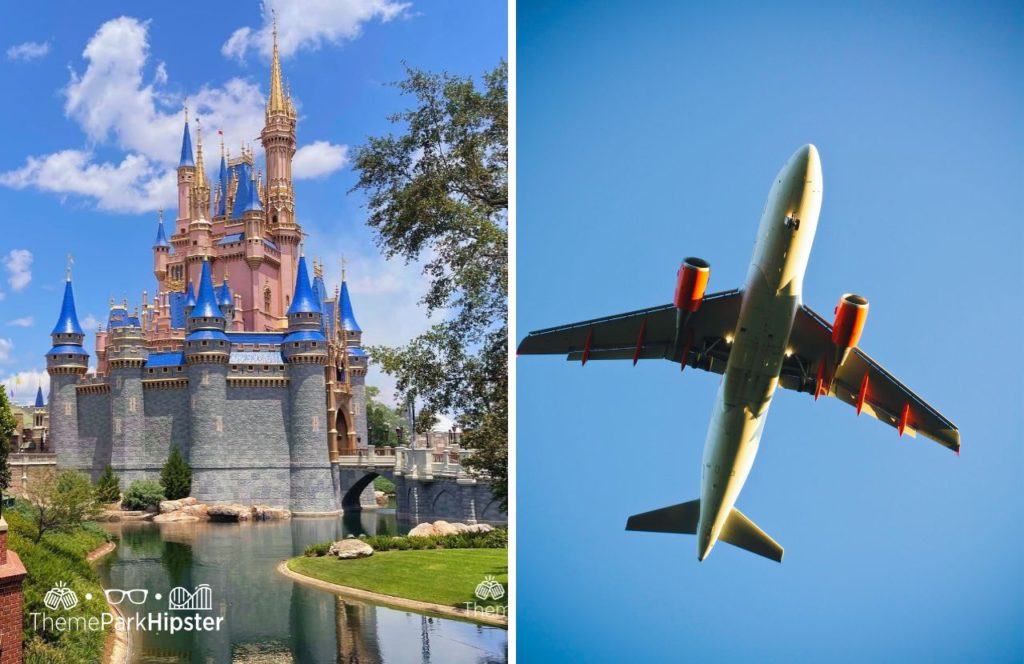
(304, 300)
(253, 204)
(348, 317)
(39, 397)
(186, 149)
(224, 294)
(68, 321)
(222, 205)
(190, 296)
(206, 301)
(161, 237)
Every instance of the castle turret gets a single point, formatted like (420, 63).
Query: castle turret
(220, 209)
(126, 355)
(39, 397)
(226, 301)
(201, 189)
(357, 361)
(190, 300)
(206, 353)
(305, 350)
(66, 362)
(186, 178)
(161, 251)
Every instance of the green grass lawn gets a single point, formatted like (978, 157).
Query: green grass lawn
(440, 576)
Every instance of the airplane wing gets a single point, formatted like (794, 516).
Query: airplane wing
(860, 381)
(647, 334)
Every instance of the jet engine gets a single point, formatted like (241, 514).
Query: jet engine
(691, 280)
(851, 314)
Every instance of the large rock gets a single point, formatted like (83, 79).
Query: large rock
(267, 513)
(229, 512)
(169, 517)
(198, 510)
(175, 505)
(480, 528)
(445, 528)
(423, 530)
(350, 548)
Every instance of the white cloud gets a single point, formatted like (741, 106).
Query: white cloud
(310, 24)
(27, 321)
(24, 384)
(28, 51)
(19, 268)
(318, 159)
(6, 346)
(90, 322)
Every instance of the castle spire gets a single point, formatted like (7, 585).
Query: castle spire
(276, 101)
(200, 169)
(348, 316)
(39, 397)
(161, 237)
(222, 199)
(67, 323)
(186, 145)
(206, 301)
(304, 301)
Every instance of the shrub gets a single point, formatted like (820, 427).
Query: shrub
(384, 484)
(108, 487)
(176, 476)
(317, 549)
(61, 500)
(142, 494)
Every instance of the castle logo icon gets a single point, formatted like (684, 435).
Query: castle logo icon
(489, 588)
(201, 599)
(60, 597)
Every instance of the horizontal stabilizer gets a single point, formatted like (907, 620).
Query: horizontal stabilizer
(681, 519)
(744, 533)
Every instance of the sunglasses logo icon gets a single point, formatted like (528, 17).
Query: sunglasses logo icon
(135, 596)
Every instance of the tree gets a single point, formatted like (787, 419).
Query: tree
(142, 494)
(8, 425)
(439, 192)
(381, 419)
(62, 500)
(108, 487)
(176, 476)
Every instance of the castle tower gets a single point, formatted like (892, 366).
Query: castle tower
(186, 179)
(278, 138)
(206, 353)
(201, 189)
(304, 348)
(66, 362)
(126, 355)
(357, 365)
(161, 252)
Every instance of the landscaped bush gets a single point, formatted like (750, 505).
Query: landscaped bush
(176, 476)
(381, 483)
(142, 494)
(108, 488)
(495, 539)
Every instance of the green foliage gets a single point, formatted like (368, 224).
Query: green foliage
(7, 427)
(176, 476)
(439, 192)
(382, 420)
(495, 539)
(108, 487)
(58, 557)
(381, 483)
(142, 494)
(61, 501)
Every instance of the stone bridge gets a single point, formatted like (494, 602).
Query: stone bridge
(430, 484)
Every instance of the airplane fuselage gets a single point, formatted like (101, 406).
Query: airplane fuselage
(771, 296)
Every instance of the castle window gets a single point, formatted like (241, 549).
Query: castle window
(206, 377)
(165, 369)
(266, 300)
(250, 367)
(204, 343)
(316, 423)
(314, 344)
(117, 425)
(133, 404)
(67, 407)
(220, 423)
(265, 367)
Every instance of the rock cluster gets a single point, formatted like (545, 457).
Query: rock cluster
(445, 528)
(189, 509)
(347, 549)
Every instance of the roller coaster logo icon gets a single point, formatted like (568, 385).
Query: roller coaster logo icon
(200, 599)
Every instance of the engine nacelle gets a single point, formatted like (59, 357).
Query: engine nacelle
(851, 315)
(691, 280)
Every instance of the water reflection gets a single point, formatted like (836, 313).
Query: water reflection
(267, 617)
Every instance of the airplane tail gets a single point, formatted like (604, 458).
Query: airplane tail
(685, 517)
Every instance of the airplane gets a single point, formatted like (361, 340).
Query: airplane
(760, 337)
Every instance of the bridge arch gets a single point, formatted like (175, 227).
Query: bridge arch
(350, 501)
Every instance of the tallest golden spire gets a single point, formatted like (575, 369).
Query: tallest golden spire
(200, 169)
(276, 103)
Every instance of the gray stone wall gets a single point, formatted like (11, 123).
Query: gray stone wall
(210, 456)
(63, 404)
(127, 412)
(256, 419)
(166, 425)
(447, 500)
(311, 484)
(94, 431)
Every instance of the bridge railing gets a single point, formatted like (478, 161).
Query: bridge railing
(428, 463)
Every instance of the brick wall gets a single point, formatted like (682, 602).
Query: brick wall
(12, 573)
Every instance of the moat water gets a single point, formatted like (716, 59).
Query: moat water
(267, 618)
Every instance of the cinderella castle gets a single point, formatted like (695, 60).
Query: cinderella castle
(252, 369)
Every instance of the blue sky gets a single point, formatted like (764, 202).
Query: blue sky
(92, 118)
(649, 134)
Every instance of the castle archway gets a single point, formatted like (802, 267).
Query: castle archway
(350, 501)
(342, 427)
